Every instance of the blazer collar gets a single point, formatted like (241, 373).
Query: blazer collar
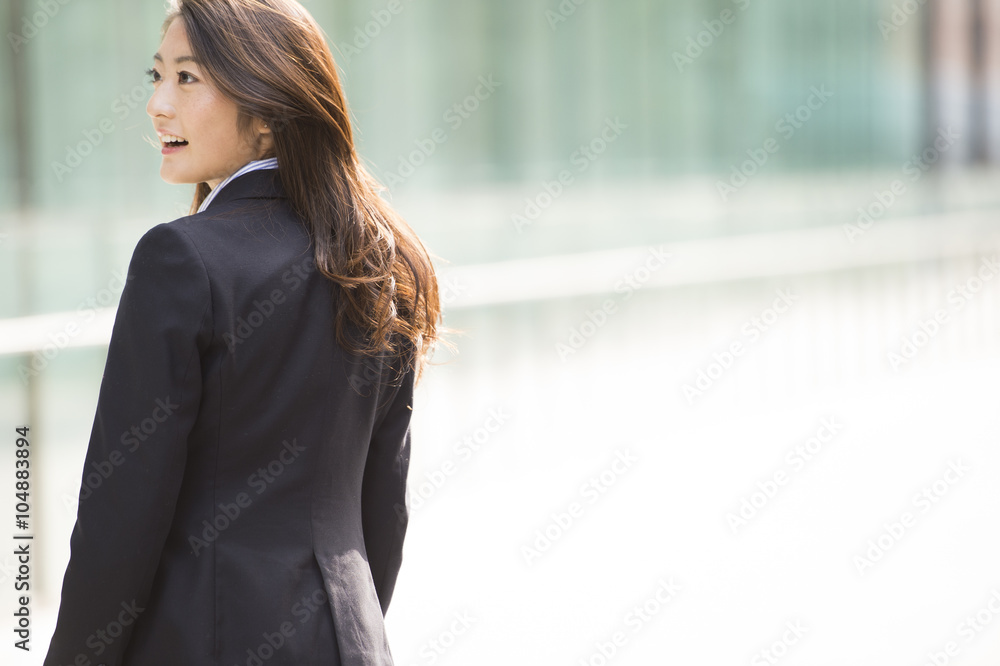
(259, 184)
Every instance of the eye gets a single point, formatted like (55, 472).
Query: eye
(154, 76)
(185, 77)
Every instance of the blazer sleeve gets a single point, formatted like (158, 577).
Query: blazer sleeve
(384, 509)
(147, 405)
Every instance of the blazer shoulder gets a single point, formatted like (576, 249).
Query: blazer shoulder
(169, 240)
(243, 220)
(167, 235)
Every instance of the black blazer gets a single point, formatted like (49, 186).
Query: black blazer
(243, 497)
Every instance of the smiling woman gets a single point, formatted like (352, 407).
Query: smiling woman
(252, 435)
(196, 123)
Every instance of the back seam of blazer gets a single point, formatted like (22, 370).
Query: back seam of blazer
(216, 634)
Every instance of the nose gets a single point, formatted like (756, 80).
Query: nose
(159, 104)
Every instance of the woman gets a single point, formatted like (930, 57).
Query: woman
(244, 487)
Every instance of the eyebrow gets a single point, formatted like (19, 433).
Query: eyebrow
(179, 60)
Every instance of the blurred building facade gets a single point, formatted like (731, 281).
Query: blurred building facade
(840, 151)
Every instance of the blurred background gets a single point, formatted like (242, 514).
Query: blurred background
(725, 275)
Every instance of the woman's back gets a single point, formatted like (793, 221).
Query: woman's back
(243, 495)
(279, 527)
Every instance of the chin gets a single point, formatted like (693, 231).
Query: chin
(175, 177)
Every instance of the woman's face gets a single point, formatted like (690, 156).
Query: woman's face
(187, 106)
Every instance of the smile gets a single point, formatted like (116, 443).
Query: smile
(172, 143)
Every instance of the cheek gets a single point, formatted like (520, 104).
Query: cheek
(218, 125)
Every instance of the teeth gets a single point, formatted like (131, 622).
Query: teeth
(170, 138)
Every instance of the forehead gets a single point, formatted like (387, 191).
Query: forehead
(175, 44)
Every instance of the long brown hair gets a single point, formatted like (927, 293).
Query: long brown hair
(271, 58)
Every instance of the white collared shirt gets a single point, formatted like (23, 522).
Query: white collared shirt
(255, 165)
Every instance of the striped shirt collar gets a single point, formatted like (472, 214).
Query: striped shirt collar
(255, 165)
